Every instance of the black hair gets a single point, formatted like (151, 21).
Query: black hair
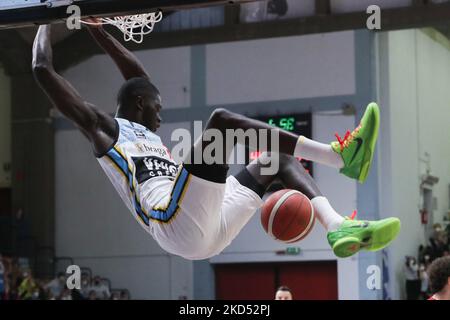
(133, 88)
(284, 288)
(439, 272)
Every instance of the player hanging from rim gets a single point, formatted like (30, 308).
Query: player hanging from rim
(194, 210)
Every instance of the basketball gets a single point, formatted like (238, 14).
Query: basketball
(287, 216)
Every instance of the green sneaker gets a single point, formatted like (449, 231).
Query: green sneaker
(357, 148)
(354, 235)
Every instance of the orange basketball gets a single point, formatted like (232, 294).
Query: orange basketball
(287, 215)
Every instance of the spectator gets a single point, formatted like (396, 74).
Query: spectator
(115, 296)
(100, 288)
(40, 292)
(411, 272)
(439, 234)
(50, 296)
(66, 294)
(439, 274)
(28, 287)
(18, 283)
(2, 279)
(76, 295)
(17, 274)
(22, 225)
(57, 285)
(447, 230)
(283, 293)
(12, 278)
(92, 295)
(424, 280)
(438, 241)
(427, 260)
(12, 293)
(85, 285)
(124, 295)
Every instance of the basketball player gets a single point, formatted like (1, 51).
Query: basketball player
(194, 210)
(283, 293)
(439, 274)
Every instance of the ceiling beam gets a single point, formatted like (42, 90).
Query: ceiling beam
(391, 19)
(35, 15)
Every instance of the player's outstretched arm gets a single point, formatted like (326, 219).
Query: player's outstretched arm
(95, 124)
(126, 61)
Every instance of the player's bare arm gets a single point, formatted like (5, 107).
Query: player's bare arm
(221, 119)
(126, 61)
(95, 124)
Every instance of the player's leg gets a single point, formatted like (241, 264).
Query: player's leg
(287, 142)
(345, 235)
(244, 194)
(239, 201)
(355, 150)
(292, 175)
(352, 155)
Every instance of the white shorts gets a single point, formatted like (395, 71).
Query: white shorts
(205, 216)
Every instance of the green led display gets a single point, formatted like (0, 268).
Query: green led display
(286, 123)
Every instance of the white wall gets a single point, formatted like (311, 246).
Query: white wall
(281, 68)
(433, 81)
(98, 79)
(415, 119)
(5, 128)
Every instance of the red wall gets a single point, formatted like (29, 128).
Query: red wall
(258, 281)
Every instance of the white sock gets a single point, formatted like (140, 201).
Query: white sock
(330, 219)
(318, 152)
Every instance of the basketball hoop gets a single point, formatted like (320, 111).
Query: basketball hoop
(134, 27)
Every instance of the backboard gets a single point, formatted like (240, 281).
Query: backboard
(19, 13)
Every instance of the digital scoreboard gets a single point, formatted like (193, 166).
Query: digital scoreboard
(298, 123)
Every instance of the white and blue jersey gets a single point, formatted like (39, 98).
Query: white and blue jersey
(2, 279)
(141, 169)
(187, 216)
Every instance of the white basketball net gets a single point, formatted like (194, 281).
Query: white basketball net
(134, 27)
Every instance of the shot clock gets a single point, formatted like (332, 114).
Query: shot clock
(298, 123)
(285, 123)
